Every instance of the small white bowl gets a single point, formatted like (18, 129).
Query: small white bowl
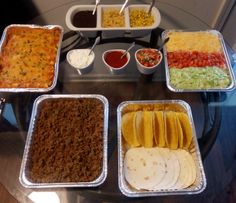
(80, 60)
(114, 70)
(144, 69)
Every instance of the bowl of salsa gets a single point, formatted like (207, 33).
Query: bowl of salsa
(114, 61)
(148, 60)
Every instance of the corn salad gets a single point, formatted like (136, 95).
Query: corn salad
(140, 18)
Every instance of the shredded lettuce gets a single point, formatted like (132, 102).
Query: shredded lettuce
(199, 78)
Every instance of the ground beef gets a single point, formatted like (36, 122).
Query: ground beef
(67, 141)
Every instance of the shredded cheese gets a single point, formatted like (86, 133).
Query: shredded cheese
(193, 41)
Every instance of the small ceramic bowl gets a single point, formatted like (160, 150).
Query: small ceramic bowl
(113, 61)
(81, 60)
(148, 60)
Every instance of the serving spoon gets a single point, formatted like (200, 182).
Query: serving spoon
(97, 40)
(163, 43)
(132, 45)
(96, 5)
(150, 8)
(123, 7)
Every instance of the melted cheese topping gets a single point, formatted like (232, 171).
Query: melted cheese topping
(28, 57)
(193, 41)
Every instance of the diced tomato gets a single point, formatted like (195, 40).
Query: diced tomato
(182, 59)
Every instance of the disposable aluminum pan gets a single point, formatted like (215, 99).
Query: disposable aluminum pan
(56, 64)
(228, 69)
(200, 183)
(24, 178)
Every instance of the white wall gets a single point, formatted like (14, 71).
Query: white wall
(212, 12)
(218, 14)
(229, 29)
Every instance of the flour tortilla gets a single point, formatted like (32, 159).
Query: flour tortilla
(187, 174)
(144, 167)
(191, 162)
(172, 169)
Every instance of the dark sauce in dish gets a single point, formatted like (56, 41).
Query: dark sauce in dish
(84, 19)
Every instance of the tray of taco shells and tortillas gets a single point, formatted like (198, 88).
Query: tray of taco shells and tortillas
(158, 153)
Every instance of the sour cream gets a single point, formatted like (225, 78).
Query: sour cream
(80, 58)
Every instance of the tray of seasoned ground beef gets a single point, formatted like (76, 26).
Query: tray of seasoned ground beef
(66, 144)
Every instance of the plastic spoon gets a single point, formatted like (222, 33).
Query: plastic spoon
(150, 8)
(132, 45)
(123, 7)
(95, 43)
(163, 43)
(95, 7)
(97, 40)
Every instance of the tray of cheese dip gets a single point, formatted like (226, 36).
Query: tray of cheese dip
(158, 152)
(197, 61)
(29, 57)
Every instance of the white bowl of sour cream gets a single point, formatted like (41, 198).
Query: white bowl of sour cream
(81, 60)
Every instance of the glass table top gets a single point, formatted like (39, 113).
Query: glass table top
(213, 113)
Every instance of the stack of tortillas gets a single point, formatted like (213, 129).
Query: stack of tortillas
(159, 168)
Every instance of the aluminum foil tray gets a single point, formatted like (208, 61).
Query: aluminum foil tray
(227, 69)
(97, 179)
(56, 64)
(165, 105)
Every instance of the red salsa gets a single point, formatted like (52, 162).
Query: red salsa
(148, 57)
(114, 59)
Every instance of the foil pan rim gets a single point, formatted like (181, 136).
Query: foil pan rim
(100, 179)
